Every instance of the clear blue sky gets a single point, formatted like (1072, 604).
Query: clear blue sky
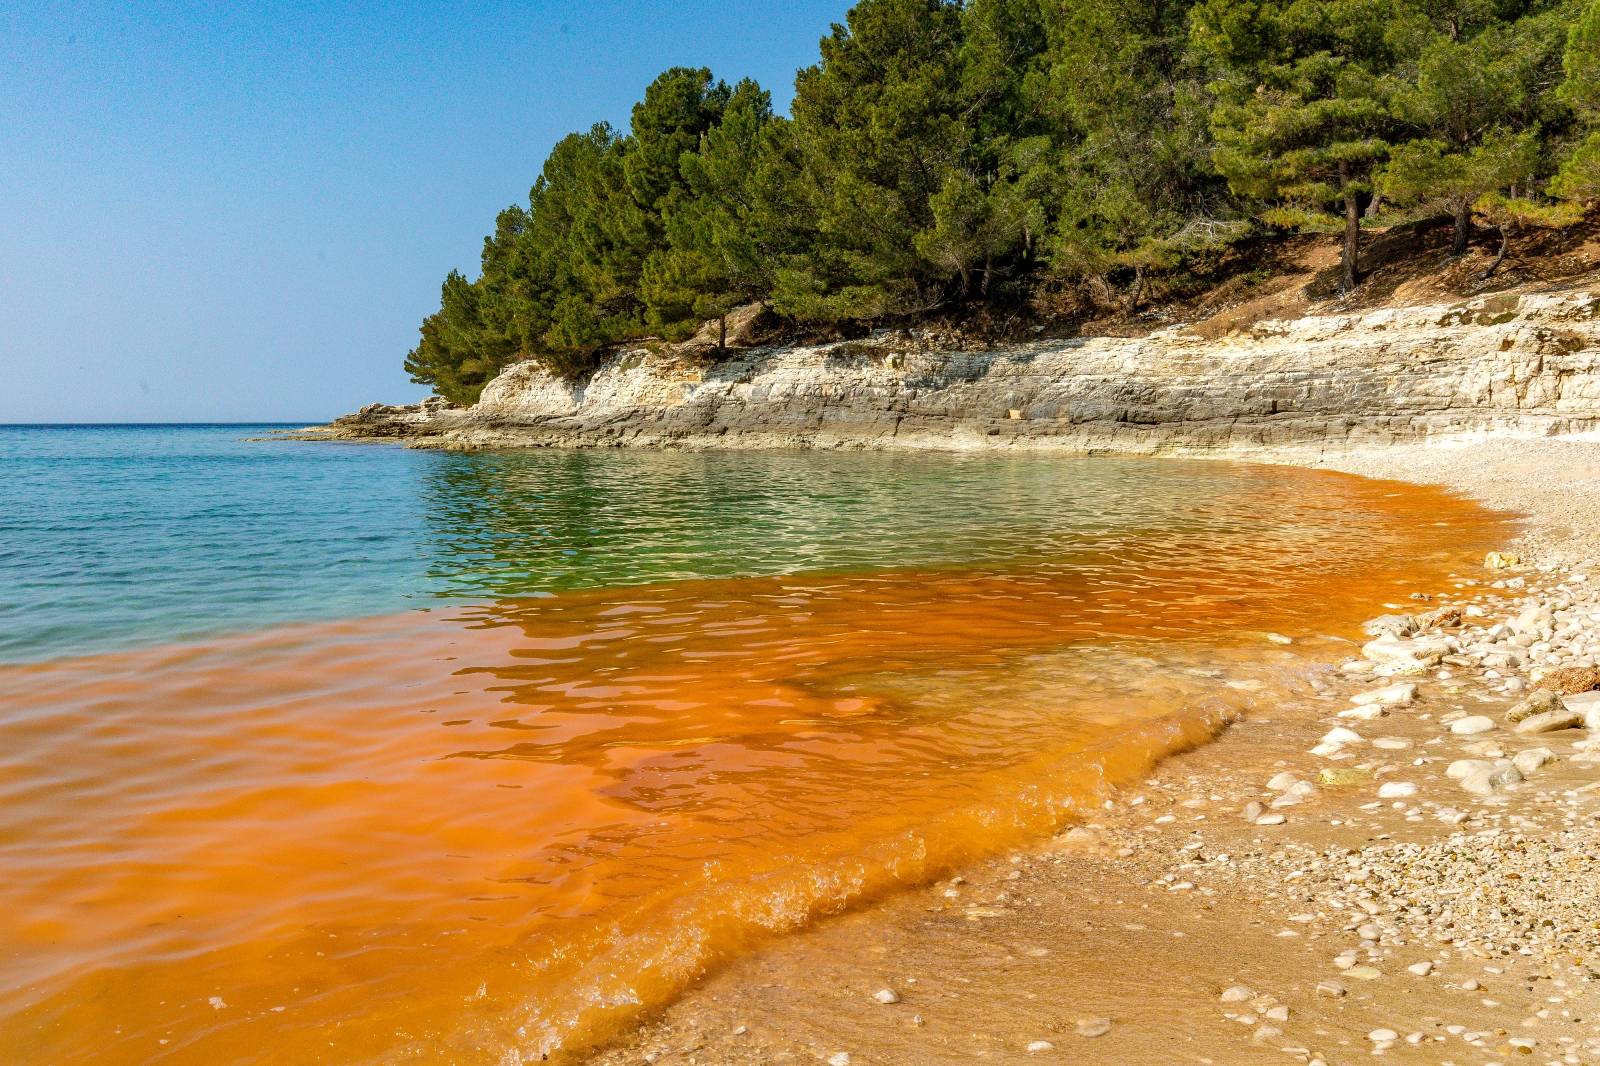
(242, 211)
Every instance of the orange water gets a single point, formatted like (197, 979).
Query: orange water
(500, 832)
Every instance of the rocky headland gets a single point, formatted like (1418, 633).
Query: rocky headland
(1522, 362)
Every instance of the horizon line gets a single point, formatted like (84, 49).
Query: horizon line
(152, 424)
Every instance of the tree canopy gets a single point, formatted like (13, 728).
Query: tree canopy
(943, 156)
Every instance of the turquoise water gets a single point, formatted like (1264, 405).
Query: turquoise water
(118, 536)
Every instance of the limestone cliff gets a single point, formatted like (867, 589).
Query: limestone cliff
(1525, 363)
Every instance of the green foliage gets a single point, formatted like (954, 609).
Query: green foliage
(1476, 102)
(1434, 169)
(945, 154)
(878, 132)
(1579, 177)
(1305, 104)
(724, 230)
(1128, 99)
(1581, 90)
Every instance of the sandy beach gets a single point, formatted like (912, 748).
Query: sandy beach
(1377, 863)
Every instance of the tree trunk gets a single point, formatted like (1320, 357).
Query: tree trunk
(1135, 291)
(1463, 232)
(1352, 235)
(1499, 257)
(722, 333)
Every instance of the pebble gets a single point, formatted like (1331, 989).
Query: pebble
(1491, 780)
(1039, 1046)
(1396, 790)
(1271, 819)
(1093, 1027)
(886, 996)
(1421, 969)
(1550, 722)
(1539, 702)
(1378, 1036)
(1533, 759)
(1400, 694)
(1237, 994)
(839, 1058)
(1471, 725)
(1462, 769)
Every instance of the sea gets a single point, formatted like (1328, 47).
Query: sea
(359, 753)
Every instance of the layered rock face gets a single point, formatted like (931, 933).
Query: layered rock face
(1526, 363)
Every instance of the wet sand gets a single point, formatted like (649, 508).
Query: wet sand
(1390, 913)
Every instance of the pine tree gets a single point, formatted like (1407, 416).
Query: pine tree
(879, 130)
(722, 241)
(1579, 178)
(1136, 191)
(458, 353)
(1305, 106)
(1477, 102)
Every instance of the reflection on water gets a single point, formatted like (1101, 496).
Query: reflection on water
(500, 830)
(521, 523)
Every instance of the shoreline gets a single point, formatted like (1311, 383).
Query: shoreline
(1370, 905)
(1525, 361)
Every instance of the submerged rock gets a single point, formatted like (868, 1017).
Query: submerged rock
(1394, 625)
(1395, 655)
(1586, 704)
(1550, 721)
(1399, 694)
(1496, 778)
(1528, 761)
(1540, 701)
(1093, 1027)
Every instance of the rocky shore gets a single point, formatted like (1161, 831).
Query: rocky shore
(1522, 362)
(1400, 858)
